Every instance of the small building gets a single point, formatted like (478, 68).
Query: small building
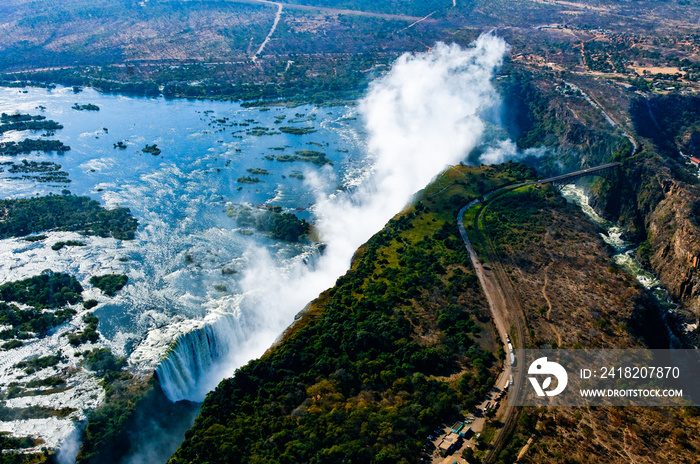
(695, 161)
(448, 444)
(465, 432)
(457, 427)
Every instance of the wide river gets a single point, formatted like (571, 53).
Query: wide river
(186, 263)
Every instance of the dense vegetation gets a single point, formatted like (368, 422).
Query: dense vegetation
(33, 412)
(248, 180)
(86, 107)
(283, 226)
(152, 149)
(47, 290)
(102, 361)
(68, 243)
(110, 284)
(39, 171)
(7, 442)
(297, 130)
(29, 145)
(35, 364)
(71, 213)
(89, 334)
(24, 321)
(23, 122)
(399, 345)
(309, 156)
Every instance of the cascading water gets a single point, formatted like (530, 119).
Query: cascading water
(625, 257)
(195, 354)
(423, 116)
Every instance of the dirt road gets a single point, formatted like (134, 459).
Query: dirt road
(505, 309)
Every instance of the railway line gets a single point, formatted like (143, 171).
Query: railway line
(503, 300)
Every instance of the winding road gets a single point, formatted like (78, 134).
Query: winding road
(504, 303)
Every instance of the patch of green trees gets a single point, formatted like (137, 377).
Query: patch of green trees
(110, 284)
(282, 226)
(27, 146)
(19, 217)
(23, 122)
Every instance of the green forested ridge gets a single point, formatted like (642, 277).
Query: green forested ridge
(399, 345)
(81, 214)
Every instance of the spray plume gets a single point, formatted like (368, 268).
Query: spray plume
(422, 116)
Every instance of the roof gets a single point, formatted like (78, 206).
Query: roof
(448, 441)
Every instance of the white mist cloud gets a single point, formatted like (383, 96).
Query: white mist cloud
(68, 450)
(506, 150)
(421, 117)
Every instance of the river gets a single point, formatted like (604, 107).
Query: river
(188, 258)
(625, 256)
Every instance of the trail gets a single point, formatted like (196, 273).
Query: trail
(607, 117)
(333, 11)
(272, 29)
(418, 21)
(549, 304)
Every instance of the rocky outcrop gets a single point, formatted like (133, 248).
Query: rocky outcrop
(674, 239)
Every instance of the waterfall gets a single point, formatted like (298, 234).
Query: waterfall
(195, 354)
(415, 129)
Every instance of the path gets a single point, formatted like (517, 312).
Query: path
(332, 11)
(607, 117)
(418, 21)
(272, 29)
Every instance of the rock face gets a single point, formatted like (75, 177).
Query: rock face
(660, 211)
(674, 238)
